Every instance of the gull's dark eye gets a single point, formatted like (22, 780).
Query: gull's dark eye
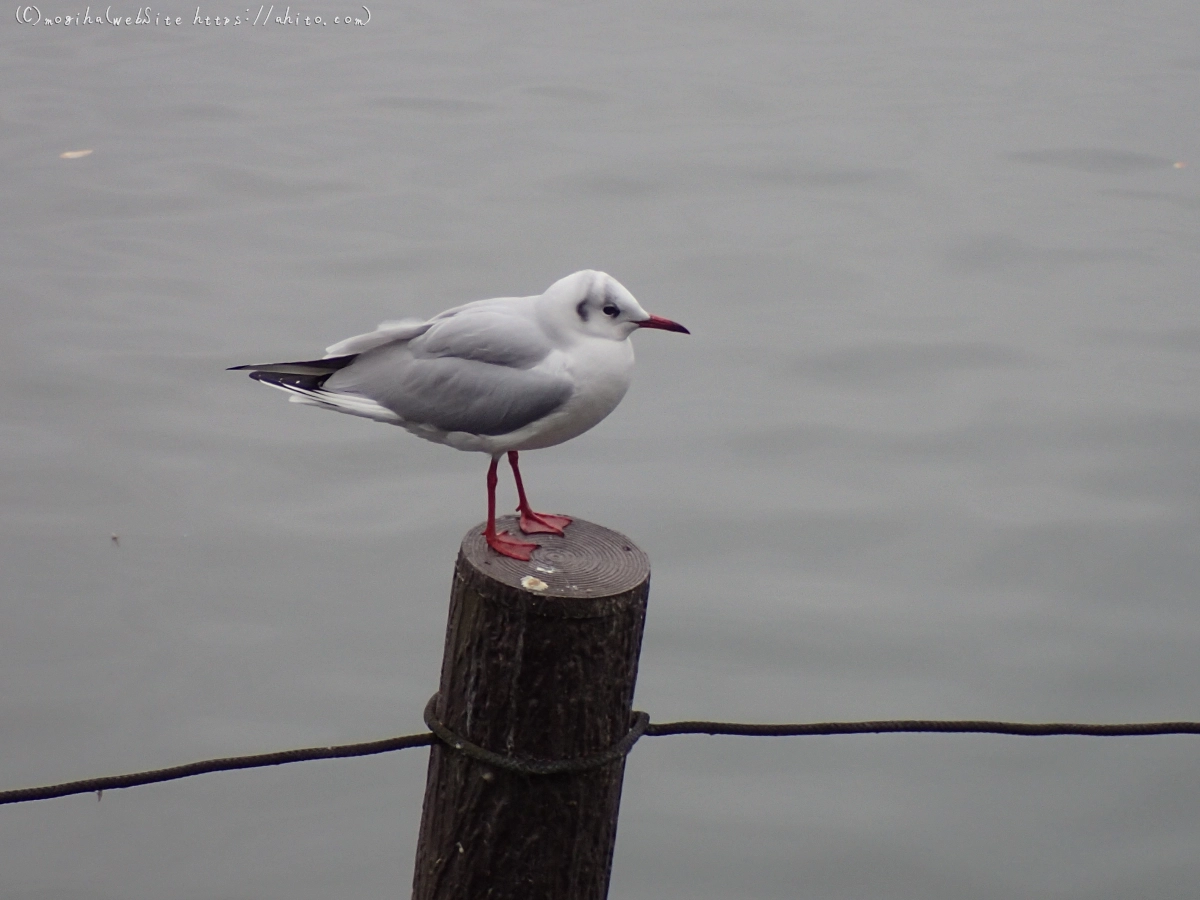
(611, 311)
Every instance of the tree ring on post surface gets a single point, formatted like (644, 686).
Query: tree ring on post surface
(588, 561)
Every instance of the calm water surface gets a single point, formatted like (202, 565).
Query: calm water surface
(931, 450)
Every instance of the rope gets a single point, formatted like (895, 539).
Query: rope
(641, 725)
(112, 782)
(966, 726)
(527, 766)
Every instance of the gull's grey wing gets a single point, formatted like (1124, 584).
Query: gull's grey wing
(500, 332)
(398, 330)
(472, 371)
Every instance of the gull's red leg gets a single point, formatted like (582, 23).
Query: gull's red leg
(534, 522)
(503, 543)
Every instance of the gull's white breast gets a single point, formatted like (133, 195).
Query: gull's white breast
(600, 370)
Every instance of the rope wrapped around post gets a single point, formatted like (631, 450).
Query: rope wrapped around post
(528, 766)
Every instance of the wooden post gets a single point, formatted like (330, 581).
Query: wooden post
(540, 663)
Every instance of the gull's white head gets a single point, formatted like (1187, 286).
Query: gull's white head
(596, 304)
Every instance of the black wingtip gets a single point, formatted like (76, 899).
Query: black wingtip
(303, 367)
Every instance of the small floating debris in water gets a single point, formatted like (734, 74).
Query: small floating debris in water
(74, 154)
(1181, 165)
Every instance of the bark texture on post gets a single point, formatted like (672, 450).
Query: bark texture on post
(540, 662)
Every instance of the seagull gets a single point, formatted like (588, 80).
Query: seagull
(495, 376)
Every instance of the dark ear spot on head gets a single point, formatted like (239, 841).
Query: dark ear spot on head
(582, 309)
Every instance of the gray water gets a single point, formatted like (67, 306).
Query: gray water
(930, 451)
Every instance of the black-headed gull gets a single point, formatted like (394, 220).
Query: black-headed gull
(494, 376)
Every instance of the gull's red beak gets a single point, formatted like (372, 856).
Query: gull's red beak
(664, 324)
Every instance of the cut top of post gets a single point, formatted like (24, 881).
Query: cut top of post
(589, 561)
